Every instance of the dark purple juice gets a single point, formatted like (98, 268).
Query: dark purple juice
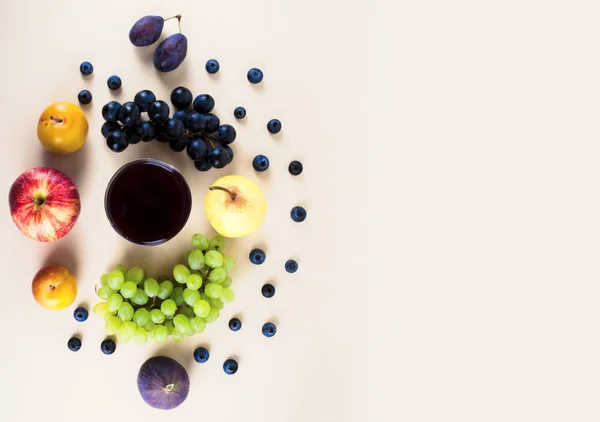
(148, 201)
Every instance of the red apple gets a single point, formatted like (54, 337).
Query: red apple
(44, 204)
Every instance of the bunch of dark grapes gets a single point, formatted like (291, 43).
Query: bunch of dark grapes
(192, 127)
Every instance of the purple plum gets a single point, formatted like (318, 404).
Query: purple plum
(170, 53)
(146, 31)
(163, 382)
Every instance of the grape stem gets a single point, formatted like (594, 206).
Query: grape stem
(232, 194)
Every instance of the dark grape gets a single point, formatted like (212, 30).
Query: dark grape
(197, 149)
(218, 157)
(173, 128)
(181, 97)
(170, 53)
(117, 141)
(202, 165)
(159, 112)
(210, 123)
(181, 115)
(146, 31)
(178, 144)
(110, 111)
(109, 127)
(225, 134)
(194, 122)
(133, 136)
(204, 103)
(229, 154)
(143, 99)
(146, 131)
(129, 114)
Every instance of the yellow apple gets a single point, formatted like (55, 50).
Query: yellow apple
(235, 206)
(62, 128)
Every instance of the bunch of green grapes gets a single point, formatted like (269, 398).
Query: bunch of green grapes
(136, 307)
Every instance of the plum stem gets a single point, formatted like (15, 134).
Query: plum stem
(233, 195)
(169, 387)
(178, 20)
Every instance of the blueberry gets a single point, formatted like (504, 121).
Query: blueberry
(204, 103)
(146, 131)
(117, 141)
(80, 314)
(129, 114)
(291, 266)
(108, 346)
(257, 256)
(114, 82)
(255, 75)
(230, 366)
(74, 344)
(201, 354)
(178, 144)
(181, 115)
(268, 290)
(84, 97)
(86, 68)
(110, 111)
(225, 134)
(212, 66)
(143, 99)
(158, 112)
(295, 168)
(274, 126)
(298, 214)
(197, 149)
(239, 112)
(218, 157)
(173, 128)
(229, 154)
(108, 127)
(181, 97)
(269, 329)
(260, 163)
(202, 165)
(235, 324)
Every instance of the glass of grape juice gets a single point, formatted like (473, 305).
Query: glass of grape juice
(148, 201)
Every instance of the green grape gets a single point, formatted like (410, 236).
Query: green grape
(112, 325)
(101, 310)
(195, 259)
(125, 311)
(104, 280)
(121, 268)
(198, 324)
(204, 297)
(213, 290)
(177, 296)
(187, 311)
(126, 331)
(104, 292)
(169, 325)
(113, 302)
(116, 280)
(160, 333)
(177, 336)
(182, 323)
(228, 263)
(200, 242)
(180, 273)
(140, 336)
(157, 316)
(226, 283)
(166, 287)
(191, 296)
(135, 274)
(194, 282)
(217, 275)
(128, 289)
(213, 259)
(168, 307)
(201, 308)
(217, 243)
(140, 297)
(227, 296)
(151, 287)
(141, 317)
(149, 326)
(216, 303)
(212, 316)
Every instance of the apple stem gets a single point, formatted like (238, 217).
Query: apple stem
(233, 195)
(169, 388)
(56, 119)
(38, 201)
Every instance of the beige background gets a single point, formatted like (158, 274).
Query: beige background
(448, 265)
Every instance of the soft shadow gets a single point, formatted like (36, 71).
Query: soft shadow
(64, 253)
(175, 351)
(72, 165)
(146, 54)
(173, 78)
